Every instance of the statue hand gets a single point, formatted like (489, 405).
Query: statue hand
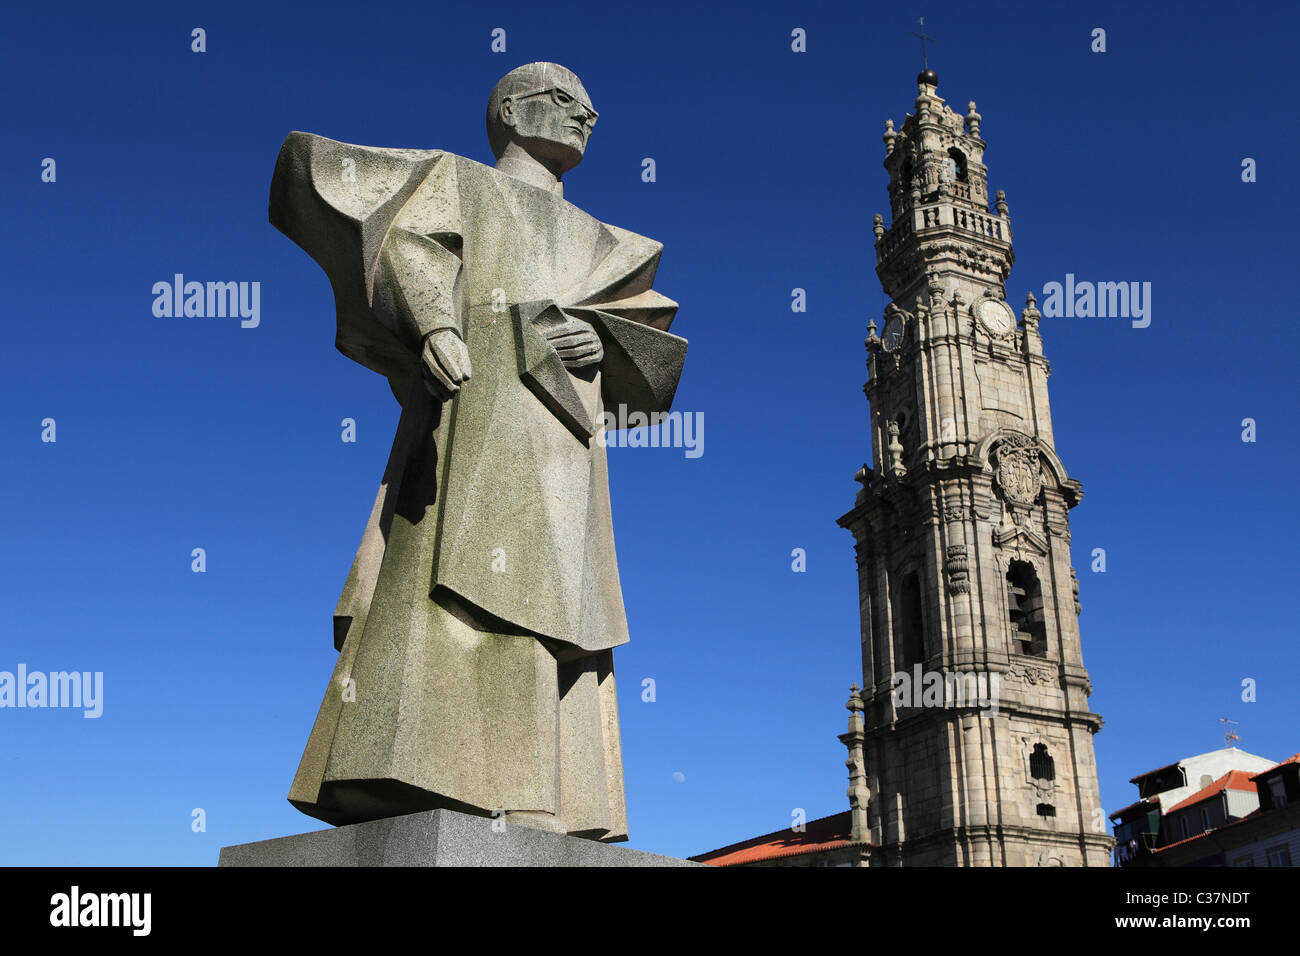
(446, 363)
(576, 342)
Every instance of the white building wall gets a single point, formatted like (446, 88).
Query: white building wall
(1213, 765)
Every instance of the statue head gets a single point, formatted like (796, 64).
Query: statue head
(544, 108)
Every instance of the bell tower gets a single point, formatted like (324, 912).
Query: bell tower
(977, 736)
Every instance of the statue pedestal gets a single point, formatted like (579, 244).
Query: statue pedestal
(436, 838)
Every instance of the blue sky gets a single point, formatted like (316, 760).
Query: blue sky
(179, 433)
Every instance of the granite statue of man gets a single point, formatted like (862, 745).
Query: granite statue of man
(477, 623)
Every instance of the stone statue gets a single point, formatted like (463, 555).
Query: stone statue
(476, 626)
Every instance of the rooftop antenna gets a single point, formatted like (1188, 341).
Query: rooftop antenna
(925, 63)
(1228, 735)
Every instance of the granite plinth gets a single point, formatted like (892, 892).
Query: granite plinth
(436, 838)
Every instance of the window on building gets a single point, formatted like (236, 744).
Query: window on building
(1279, 856)
(1277, 791)
(956, 165)
(1187, 827)
(910, 621)
(1046, 810)
(1205, 819)
(1041, 764)
(1028, 623)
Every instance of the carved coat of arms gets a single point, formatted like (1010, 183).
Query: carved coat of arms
(1018, 469)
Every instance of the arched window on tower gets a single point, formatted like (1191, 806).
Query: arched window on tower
(1025, 601)
(910, 623)
(957, 165)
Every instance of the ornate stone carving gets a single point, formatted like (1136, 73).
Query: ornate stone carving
(934, 285)
(1017, 469)
(1015, 538)
(973, 259)
(958, 567)
(1025, 673)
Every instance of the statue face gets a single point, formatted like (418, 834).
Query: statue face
(552, 123)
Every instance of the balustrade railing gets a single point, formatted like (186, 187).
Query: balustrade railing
(985, 224)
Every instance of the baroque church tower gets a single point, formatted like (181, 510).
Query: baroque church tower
(970, 743)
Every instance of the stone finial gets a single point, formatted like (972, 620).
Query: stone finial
(896, 466)
(858, 792)
(973, 120)
(854, 705)
(1030, 315)
(1001, 198)
(872, 342)
(878, 225)
(889, 137)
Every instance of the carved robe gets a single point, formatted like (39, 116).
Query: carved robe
(476, 624)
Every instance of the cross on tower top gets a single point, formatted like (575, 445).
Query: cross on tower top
(925, 63)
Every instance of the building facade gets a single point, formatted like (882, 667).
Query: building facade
(1248, 815)
(976, 739)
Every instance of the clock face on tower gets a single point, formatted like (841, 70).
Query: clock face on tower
(893, 337)
(996, 316)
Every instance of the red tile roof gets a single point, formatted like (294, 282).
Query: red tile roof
(1232, 780)
(1248, 818)
(1295, 759)
(1204, 833)
(826, 833)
